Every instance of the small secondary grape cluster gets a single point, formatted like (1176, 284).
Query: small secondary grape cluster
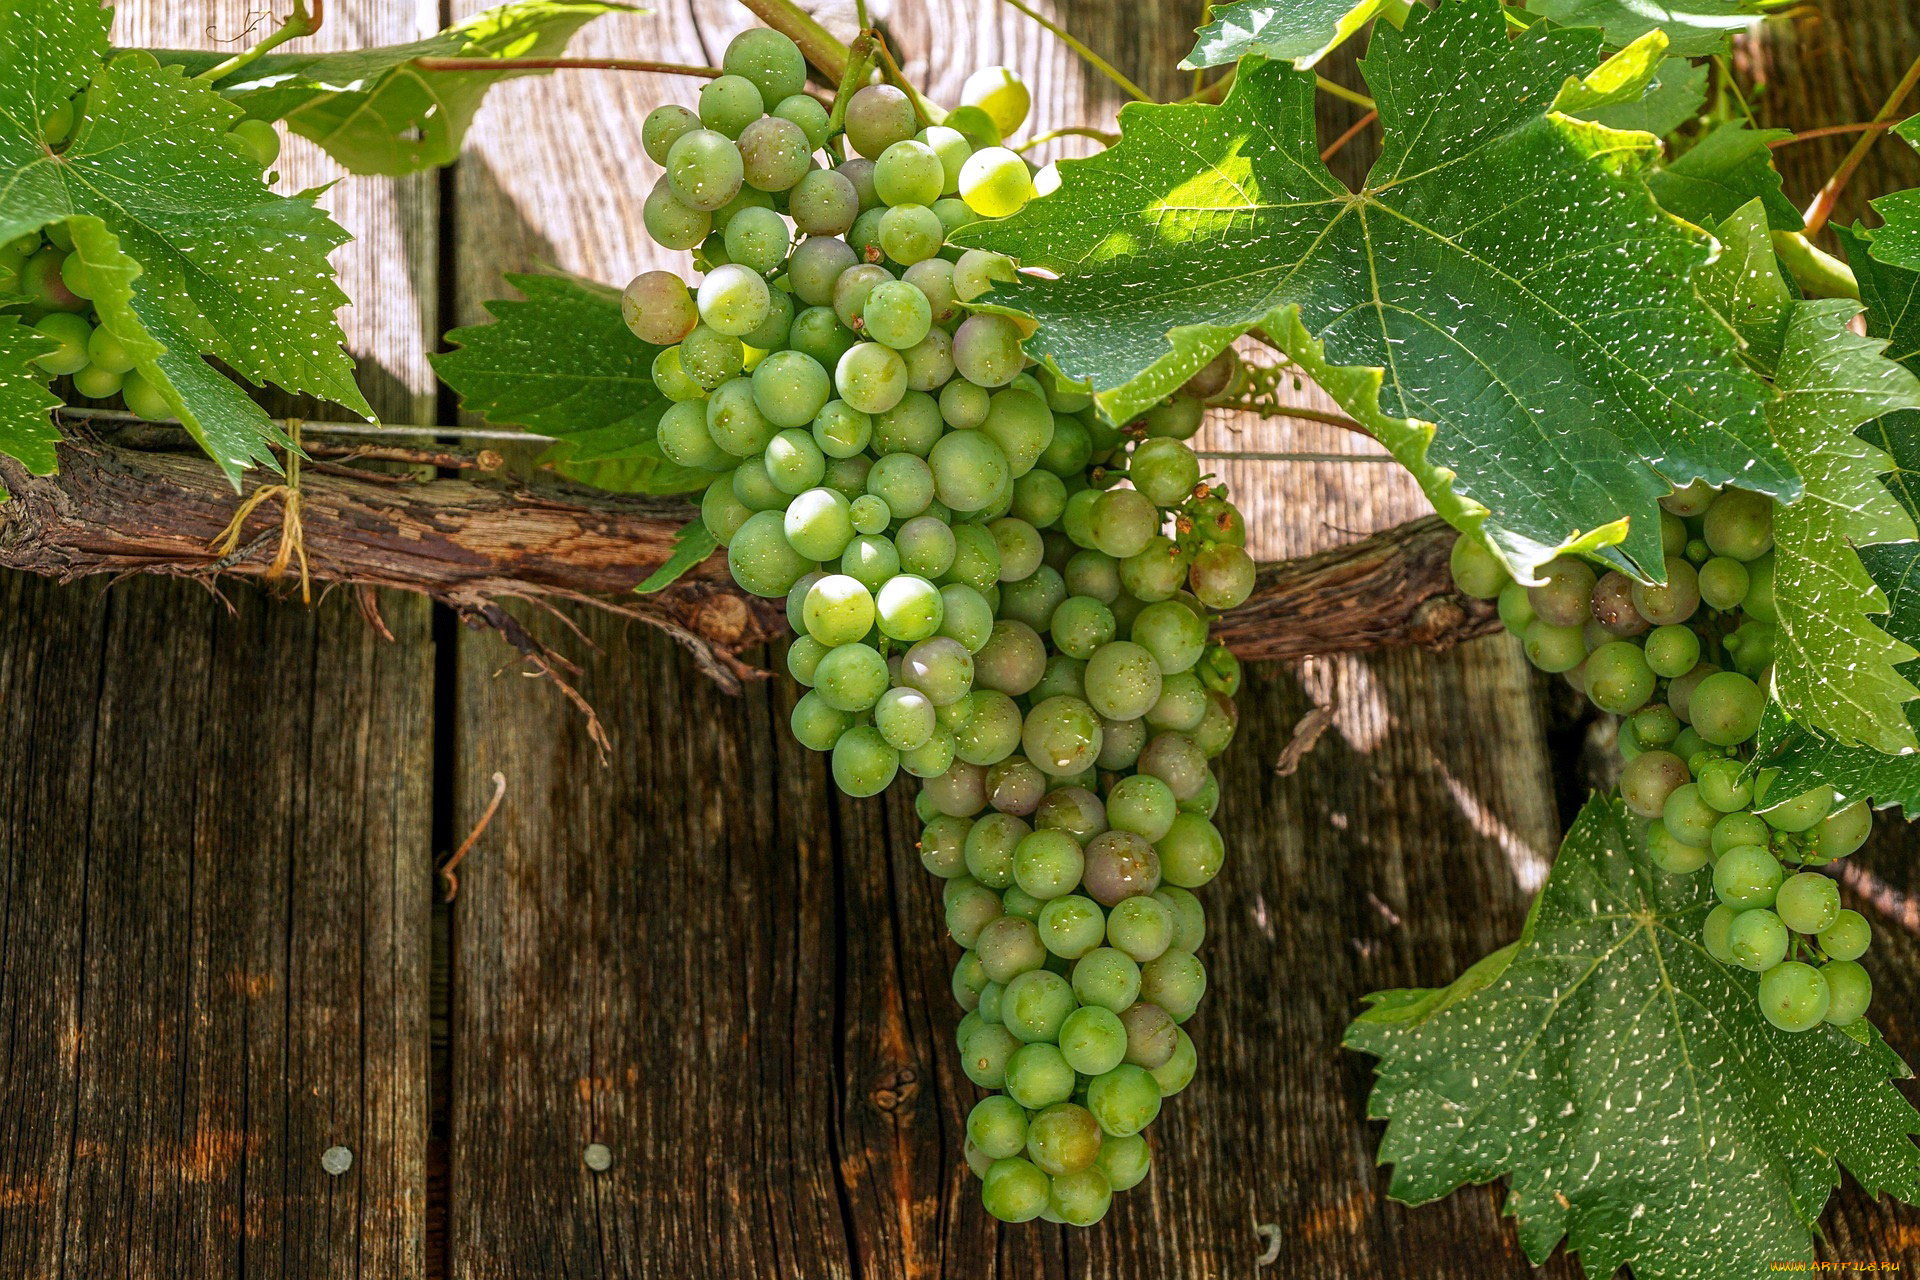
(1687, 665)
(42, 279)
(994, 589)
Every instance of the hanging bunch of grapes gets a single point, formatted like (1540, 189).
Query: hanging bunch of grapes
(993, 588)
(1687, 666)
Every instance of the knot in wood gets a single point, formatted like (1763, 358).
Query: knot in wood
(1436, 621)
(895, 1089)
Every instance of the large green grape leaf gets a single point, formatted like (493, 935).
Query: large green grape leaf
(1628, 1084)
(1807, 758)
(1694, 28)
(26, 424)
(1728, 167)
(1503, 270)
(374, 110)
(561, 362)
(192, 255)
(1673, 97)
(1298, 31)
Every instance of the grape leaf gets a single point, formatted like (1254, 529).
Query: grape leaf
(1835, 670)
(1675, 96)
(191, 255)
(1298, 31)
(1694, 28)
(1728, 167)
(1628, 1084)
(691, 545)
(1541, 313)
(26, 425)
(376, 112)
(563, 363)
(1623, 78)
(1804, 757)
(1898, 243)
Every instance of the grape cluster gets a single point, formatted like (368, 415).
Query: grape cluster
(51, 286)
(1687, 666)
(994, 589)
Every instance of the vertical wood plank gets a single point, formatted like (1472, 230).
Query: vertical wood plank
(217, 861)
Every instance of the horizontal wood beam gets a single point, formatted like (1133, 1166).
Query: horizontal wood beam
(479, 545)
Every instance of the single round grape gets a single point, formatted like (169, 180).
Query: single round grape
(722, 512)
(1047, 864)
(710, 357)
(1123, 680)
(1793, 995)
(1142, 927)
(984, 1056)
(1014, 1190)
(1123, 522)
(1848, 937)
(863, 763)
(728, 104)
(1176, 1073)
(986, 349)
(943, 845)
(1072, 809)
(733, 299)
(774, 154)
(878, 116)
(910, 233)
(1752, 647)
(969, 469)
(1222, 576)
(1151, 1035)
(816, 725)
(769, 59)
(1071, 926)
(1747, 876)
(1849, 990)
(1125, 1160)
(929, 361)
(1124, 1100)
(1039, 498)
(1062, 735)
(852, 677)
(1725, 708)
(848, 476)
(1476, 570)
(1176, 982)
(926, 546)
(819, 524)
(1021, 424)
(968, 617)
(904, 718)
(1022, 550)
(1106, 978)
(1063, 1139)
(871, 377)
(1516, 609)
(1034, 598)
(841, 430)
(1012, 660)
(1649, 779)
(1120, 864)
(704, 169)
(1722, 786)
(1739, 525)
(1672, 651)
(1794, 814)
(1688, 817)
(910, 608)
(96, 383)
(1009, 947)
(1167, 471)
(1038, 1075)
(1563, 597)
(657, 307)
(903, 482)
(960, 791)
(815, 269)
(1175, 418)
(998, 1126)
(1612, 605)
(1554, 649)
(1142, 804)
(823, 203)
(1177, 761)
(663, 127)
(1673, 602)
(1672, 855)
(760, 558)
(70, 333)
(757, 239)
(1807, 902)
(1080, 625)
(991, 731)
(804, 111)
(1016, 786)
(939, 667)
(105, 351)
(970, 907)
(1689, 500)
(1175, 635)
(870, 559)
(908, 172)
(1156, 572)
(1655, 726)
(864, 235)
(897, 314)
(1715, 930)
(1757, 940)
(753, 484)
(1843, 831)
(1192, 852)
(1093, 1040)
(1036, 1004)
(1618, 677)
(1723, 582)
(932, 758)
(1737, 829)
(995, 183)
(793, 461)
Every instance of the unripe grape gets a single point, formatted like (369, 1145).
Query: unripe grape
(1793, 995)
(1756, 940)
(1674, 602)
(1564, 595)
(1739, 524)
(878, 116)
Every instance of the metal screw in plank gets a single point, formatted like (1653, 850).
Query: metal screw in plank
(336, 1160)
(598, 1157)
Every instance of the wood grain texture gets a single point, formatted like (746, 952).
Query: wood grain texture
(214, 861)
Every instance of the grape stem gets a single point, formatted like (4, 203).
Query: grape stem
(1087, 55)
(1816, 271)
(926, 114)
(1828, 131)
(1823, 204)
(1211, 93)
(565, 64)
(1355, 130)
(1072, 131)
(302, 22)
(859, 63)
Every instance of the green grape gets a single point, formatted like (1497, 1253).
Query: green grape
(1747, 877)
(1476, 570)
(871, 377)
(1849, 991)
(1562, 598)
(663, 127)
(1752, 648)
(1034, 598)
(1613, 605)
(911, 426)
(1843, 831)
(896, 314)
(1192, 852)
(929, 361)
(910, 233)
(704, 170)
(1106, 978)
(926, 546)
(1142, 927)
(1655, 726)
(1124, 1100)
(1175, 635)
(1048, 864)
(1725, 708)
(1737, 829)
(1759, 604)
(1071, 926)
(1123, 680)
(816, 725)
(986, 349)
(968, 470)
(863, 763)
(1175, 418)
(657, 307)
(1165, 470)
(1516, 608)
(995, 183)
(1142, 804)
(824, 203)
(710, 357)
(1151, 1035)
(1176, 982)
(1673, 602)
(910, 609)
(939, 667)
(1009, 947)
(1739, 525)
(968, 618)
(931, 759)
(1081, 625)
(1671, 854)
(1020, 546)
(762, 561)
(1688, 817)
(848, 476)
(733, 299)
(840, 430)
(1039, 498)
(1126, 1160)
(870, 559)
(1793, 996)
(1156, 572)
(1723, 582)
(1062, 735)
(1063, 1139)
(1222, 576)
(96, 383)
(770, 60)
(803, 110)
(1123, 522)
(878, 116)
(1021, 424)
(71, 333)
(1618, 677)
(728, 104)
(864, 236)
(774, 154)
(757, 239)
(682, 436)
(1177, 761)
(1714, 932)
(721, 511)
(1036, 1004)
(851, 290)
(1016, 786)
(942, 849)
(998, 1126)
(815, 268)
(1848, 937)
(1176, 1073)
(909, 172)
(851, 677)
(753, 485)
(104, 351)
(1796, 814)
(1723, 786)
(903, 482)
(1757, 941)
(1014, 1190)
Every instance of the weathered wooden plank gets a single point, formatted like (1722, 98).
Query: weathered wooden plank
(215, 839)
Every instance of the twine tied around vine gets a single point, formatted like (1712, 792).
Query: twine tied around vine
(293, 541)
